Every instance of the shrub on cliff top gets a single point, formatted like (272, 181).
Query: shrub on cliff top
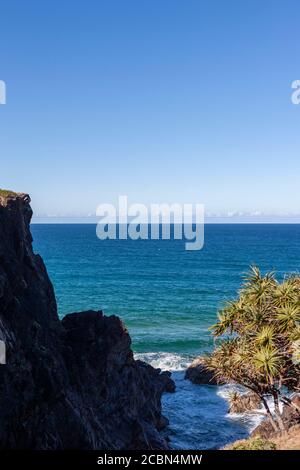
(261, 350)
(253, 444)
(6, 193)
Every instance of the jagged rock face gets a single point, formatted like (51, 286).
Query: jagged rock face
(70, 384)
(198, 374)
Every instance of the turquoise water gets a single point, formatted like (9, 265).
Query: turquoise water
(168, 297)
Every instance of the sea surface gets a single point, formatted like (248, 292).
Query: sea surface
(168, 298)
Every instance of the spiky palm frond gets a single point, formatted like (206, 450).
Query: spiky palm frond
(288, 317)
(295, 334)
(253, 276)
(287, 292)
(257, 315)
(259, 291)
(265, 336)
(267, 360)
(224, 323)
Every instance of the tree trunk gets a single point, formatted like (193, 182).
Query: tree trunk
(269, 414)
(278, 413)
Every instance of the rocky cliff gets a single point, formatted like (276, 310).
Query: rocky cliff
(70, 384)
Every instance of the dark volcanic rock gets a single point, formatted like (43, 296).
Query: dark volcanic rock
(162, 379)
(72, 383)
(198, 374)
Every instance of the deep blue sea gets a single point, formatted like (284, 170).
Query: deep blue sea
(168, 297)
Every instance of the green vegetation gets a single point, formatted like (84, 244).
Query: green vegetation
(261, 348)
(253, 444)
(7, 193)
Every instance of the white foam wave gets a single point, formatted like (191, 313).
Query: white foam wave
(165, 361)
(251, 418)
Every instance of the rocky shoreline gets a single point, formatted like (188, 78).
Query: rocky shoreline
(70, 384)
(263, 436)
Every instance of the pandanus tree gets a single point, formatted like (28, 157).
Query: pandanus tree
(257, 341)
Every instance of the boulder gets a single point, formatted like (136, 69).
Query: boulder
(198, 374)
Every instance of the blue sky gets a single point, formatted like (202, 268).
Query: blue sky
(163, 101)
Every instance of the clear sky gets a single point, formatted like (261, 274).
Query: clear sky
(161, 100)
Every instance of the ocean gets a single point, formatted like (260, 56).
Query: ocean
(168, 298)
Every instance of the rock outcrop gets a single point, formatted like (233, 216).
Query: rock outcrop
(290, 417)
(198, 374)
(265, 438)
(70, 384)
(242, 403)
